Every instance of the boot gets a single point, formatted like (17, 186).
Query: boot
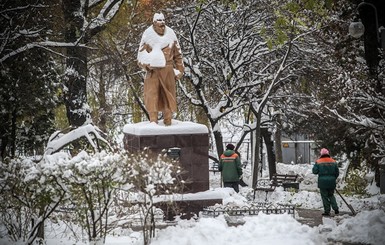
(153, 117)
(167, 115)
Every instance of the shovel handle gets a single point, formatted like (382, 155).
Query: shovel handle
(347, 204)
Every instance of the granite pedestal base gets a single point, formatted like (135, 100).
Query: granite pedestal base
(185, 209)
(189, 139)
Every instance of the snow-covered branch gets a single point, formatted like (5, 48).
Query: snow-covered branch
(108, 11)
(359, 120)
(38, 45)
(58, 140)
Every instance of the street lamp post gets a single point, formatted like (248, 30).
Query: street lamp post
(374, 38)
(357, 29)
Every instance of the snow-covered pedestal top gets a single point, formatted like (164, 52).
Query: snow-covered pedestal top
(177, 127)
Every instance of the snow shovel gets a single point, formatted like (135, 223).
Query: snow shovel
(347, 204)
(242, 183)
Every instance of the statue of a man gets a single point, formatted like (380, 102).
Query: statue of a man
(161, 57)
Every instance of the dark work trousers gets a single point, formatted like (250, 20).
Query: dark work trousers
(233, 185)
(328, 200)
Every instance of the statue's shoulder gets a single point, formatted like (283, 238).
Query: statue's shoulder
(170, 33)
(148, 30)
(170, 30)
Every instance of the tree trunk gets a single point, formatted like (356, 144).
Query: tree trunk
(4, 137)
(103, 107)
(270, 151)
(257, 145)
(40, 230)
(76, 64)
(13, 133)
(218, 142)
(278, 139)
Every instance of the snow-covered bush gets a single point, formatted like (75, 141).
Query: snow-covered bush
(149, 175)
(30, 193)
(83, 190)
(91, 181)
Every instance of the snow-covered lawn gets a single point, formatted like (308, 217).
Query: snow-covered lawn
(367, 227)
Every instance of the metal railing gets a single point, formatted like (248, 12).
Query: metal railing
(253, 209)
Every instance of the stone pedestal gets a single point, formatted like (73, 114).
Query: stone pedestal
(188, 139)
(188, 209)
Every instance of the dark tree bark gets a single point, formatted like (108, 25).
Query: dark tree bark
(75, 14)
(219, 142)
(76, 63)
(102, 101)
(278, 140)
(270, 151)
(256, 148)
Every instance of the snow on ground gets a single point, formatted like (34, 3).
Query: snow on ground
(367, 227)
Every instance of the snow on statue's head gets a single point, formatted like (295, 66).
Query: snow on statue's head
(158, 23)
(158, 17)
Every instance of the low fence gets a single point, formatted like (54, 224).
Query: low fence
(253, 209)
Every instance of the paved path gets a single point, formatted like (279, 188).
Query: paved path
(309, 217)
(312, 217)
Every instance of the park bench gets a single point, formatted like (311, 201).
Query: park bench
(214, 167)
(287, 181)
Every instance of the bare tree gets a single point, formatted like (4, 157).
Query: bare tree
(239, 57)
(224, 47)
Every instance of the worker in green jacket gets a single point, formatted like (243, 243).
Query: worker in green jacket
(230, 166)
(327, 170)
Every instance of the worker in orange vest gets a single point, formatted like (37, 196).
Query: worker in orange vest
(230, 166)
(328, 172)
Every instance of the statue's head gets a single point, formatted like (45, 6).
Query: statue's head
(158, 23)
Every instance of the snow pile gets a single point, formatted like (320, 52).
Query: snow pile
(255, 230)
(367, 227)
